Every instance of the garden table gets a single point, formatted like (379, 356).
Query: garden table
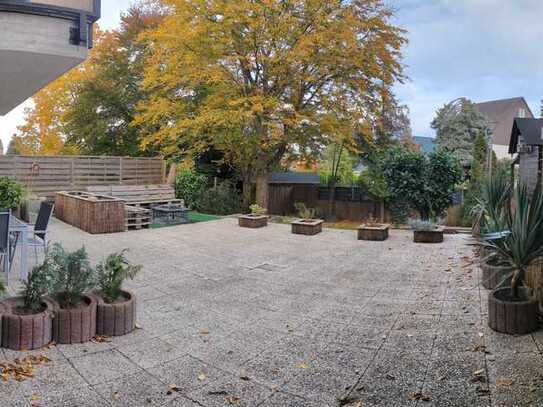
(22, 230)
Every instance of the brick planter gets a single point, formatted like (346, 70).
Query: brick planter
(492, 276)
(116, 319)
(375, 232)
(76, 325)
(253, 221)
(307, 227)
(512, 317)
(428, 236)
(25, 332)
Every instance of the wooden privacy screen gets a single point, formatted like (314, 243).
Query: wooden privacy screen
(45, 175)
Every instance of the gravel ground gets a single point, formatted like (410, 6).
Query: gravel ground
(241, 317)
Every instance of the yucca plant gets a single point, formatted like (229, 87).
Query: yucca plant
(490, 210)
(112, 272)
(304, 212)
(523, 242)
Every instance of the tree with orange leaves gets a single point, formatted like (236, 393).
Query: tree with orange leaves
(259, 80)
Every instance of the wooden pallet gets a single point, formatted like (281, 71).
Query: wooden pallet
(137, 218)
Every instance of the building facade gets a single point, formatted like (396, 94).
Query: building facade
(527, 142)
(500, 115)
(39, 41)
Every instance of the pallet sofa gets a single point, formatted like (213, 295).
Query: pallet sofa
(139, 200)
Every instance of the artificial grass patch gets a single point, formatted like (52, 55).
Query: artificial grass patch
(194, 217)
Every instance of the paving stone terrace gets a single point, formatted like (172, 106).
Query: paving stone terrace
(241, 317)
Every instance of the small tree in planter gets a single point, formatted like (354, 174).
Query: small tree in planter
(27, 319)
(307, 224)
(511, 309)
(75, 312)
(116, 313)
(256, 219)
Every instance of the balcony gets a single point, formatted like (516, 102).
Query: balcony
(39, 41)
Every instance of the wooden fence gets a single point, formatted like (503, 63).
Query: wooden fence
(45, 175)
(350, 203)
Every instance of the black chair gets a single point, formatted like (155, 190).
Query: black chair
(5, 243)
(39, 237)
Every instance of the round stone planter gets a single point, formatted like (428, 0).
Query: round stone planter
(512, 317)
(428, 236)
(253, 221)
(494, 276)
(77, 325)
(25, 332)
(118, 318)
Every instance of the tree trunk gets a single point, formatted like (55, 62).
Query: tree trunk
(247, 193)
(262, 190)
(332, 202)
(382, 211)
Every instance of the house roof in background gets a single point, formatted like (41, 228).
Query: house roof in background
(531, 131)
(292, 177)
(500, 115)
(427, 144)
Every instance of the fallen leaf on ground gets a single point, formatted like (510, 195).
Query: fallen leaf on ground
(173, 387)
(202, 377)
(217, 393)
(116, 396)
(419, 396)
(504, 382)
(138, 326)
(302, 366)
(22, 369)
(232, 400)
(204, 332)
(100, 339)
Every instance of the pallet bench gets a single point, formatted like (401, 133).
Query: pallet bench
(144, 196)
(136, 218)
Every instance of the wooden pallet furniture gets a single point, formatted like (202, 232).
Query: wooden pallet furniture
(91, 213)
(137, 218)
(145, 196)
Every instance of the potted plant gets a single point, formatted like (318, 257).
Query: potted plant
(27, 319)
(116, 309)
(75, 312)
(512, 309)
(256, 219)
(373, 230)
(307, 224)
(425, 231)
(11, 193)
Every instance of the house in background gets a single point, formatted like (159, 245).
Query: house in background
(527, 141)
(39, 41)
(500, 115)
(427, 145)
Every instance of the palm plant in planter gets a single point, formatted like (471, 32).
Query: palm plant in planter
(490, 214)
(511, 309)
(307, 224)
(27, 319)
(116, 312)
(256, 219)
(75, 312)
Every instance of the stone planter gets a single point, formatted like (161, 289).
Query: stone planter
(493, 276)
(512, 317)
(253, 221)
(118, 318)
(76, 325)
(307, 227)
(428, 236)
(376, 232)
(25, 332)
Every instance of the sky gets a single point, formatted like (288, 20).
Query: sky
(479, 49)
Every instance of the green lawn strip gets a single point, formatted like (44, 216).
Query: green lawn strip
(194, 217)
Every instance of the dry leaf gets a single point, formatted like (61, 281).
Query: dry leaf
(504, 382)
(303, 366)
(116, 396)
(35, 397)
(202, 377)
(419, 396)
(204, 332)
(232, 400)
(173, 387)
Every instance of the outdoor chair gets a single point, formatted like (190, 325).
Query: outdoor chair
(5, 243)
(39, 236)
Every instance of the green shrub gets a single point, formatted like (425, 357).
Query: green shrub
(72, 275)
(222, 199)
(257, 210)
(190, 186)
(399, 211)
(38, 284)
(11, 193)
(111, 274)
